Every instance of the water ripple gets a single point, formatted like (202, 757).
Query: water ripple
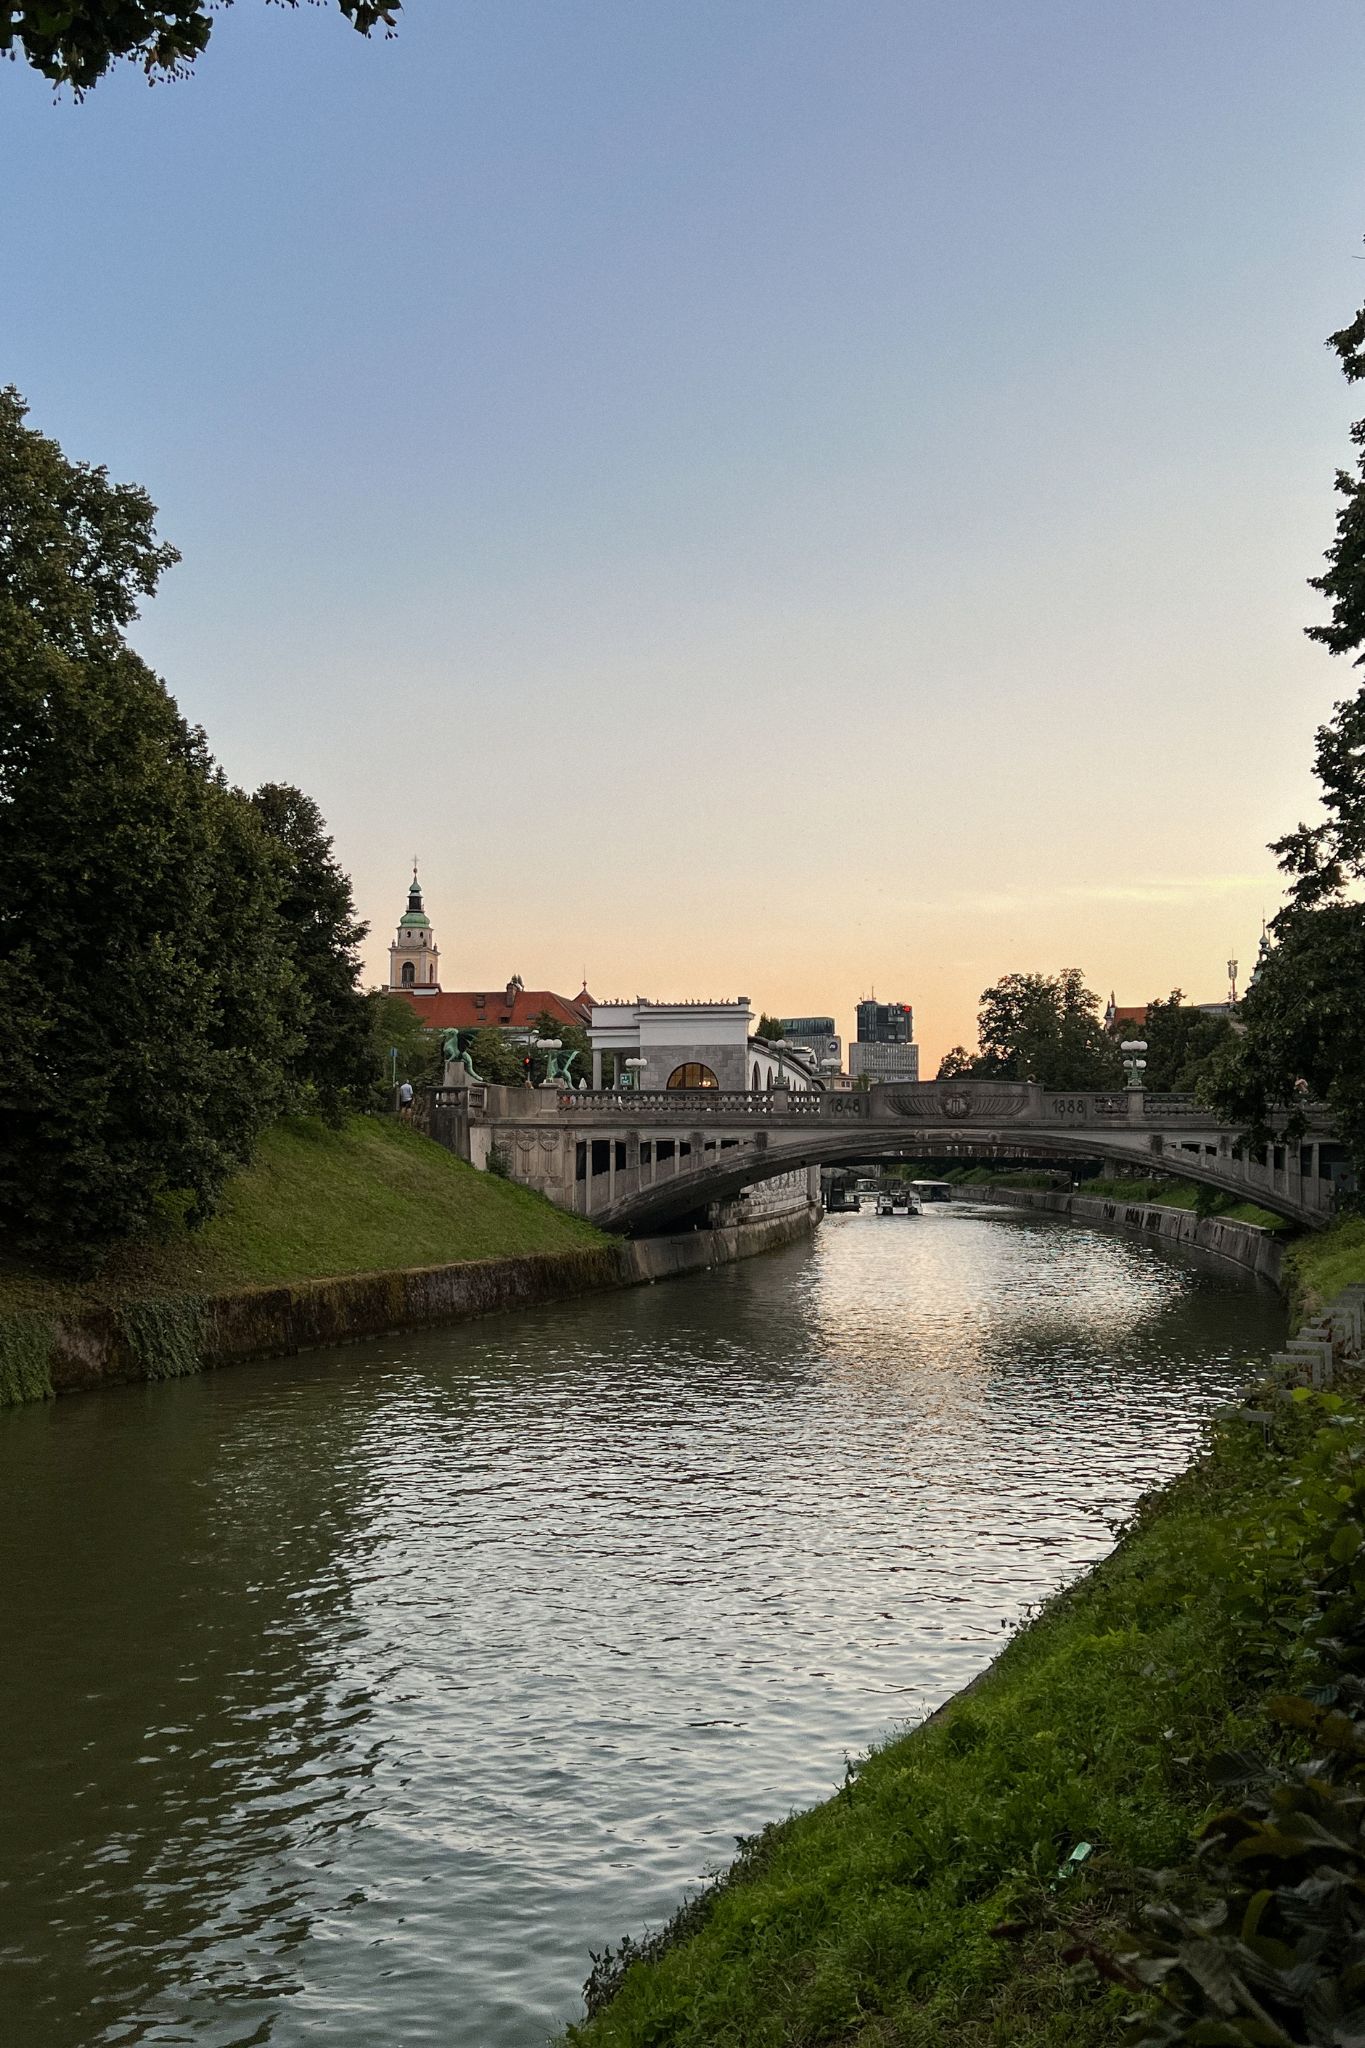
(358, 1697)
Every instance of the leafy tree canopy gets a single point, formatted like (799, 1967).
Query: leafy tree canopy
(496, 1057)
(1046, 1028)
(1305, 1022)
(1181, 1043)
(74, 42)
(957, 1060)
(143, 1032)
(402, 1046)
(76, 552)
(332, 1068)
(769, 1028)
(177, 963)
(1324, 858)
(1302, 1008)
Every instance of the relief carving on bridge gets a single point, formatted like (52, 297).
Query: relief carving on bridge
(1080, 1108)
(958, 1104)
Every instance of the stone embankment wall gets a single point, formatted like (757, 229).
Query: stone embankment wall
(1246, 1244)
(161, 1340)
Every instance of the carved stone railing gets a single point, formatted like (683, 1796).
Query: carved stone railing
(473, 1100)
(708, 1105)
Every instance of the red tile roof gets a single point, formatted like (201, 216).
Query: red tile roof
(472, 1009)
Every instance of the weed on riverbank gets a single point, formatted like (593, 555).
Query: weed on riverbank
(956, 1888)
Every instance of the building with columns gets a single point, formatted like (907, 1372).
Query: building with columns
(695, 1045)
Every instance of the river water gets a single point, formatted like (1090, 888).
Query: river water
(356, 1698)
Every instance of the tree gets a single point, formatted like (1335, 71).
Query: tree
(957, 1060)
(770, 1028)
(1305, 1022)
(142, 983)
(74, 42)
(333, 1067)
(1301, 1011)
(495, 1057)
(1181, 1043)
(1046, 1028)
(76, 552)
(145, 1021)
(402, 1047)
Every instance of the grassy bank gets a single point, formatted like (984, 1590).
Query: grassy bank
(316, 1203)
(925, 1903)
(1321, 1264)
(1184, 1194)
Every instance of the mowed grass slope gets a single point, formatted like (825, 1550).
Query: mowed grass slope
(317, 1202)
(1324, 1261)
(925, 1904)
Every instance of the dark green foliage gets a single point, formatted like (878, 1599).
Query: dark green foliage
(141, 981)
(769, 1028)
(172, 972)
(496, 1057)
(167, 1337)
(957, 1060)
(1276, 1957)
(395, 1028)
(74, 42)
(76, 552)
(1045, 1028)
(1262, 1945)
(1181, 1043)
(1305, 1021)
(331, 1065)
(25, 1359)
(1303, 1011)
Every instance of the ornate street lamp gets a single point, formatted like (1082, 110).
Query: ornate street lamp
(1134, 1068)
(633, 1068)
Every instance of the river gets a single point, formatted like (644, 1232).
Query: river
(357, 1697)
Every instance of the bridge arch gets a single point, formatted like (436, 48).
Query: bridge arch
(638, 1161)
(724, 1176)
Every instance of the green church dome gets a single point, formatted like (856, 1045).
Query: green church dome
(414, 916)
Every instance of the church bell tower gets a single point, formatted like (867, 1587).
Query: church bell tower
(414, 959)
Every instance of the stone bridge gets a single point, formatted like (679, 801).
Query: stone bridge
(638, 1162)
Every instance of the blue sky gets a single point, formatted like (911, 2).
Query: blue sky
(764, 497)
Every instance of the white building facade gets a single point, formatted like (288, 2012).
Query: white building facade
(693, 1045)
(883, 1062)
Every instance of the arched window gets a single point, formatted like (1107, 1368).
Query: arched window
(692, 1075)
(758, 1078)
(408, 976)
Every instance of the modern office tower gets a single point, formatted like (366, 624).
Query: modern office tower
(885, 1048)
(817, 1034)
(885, 1023)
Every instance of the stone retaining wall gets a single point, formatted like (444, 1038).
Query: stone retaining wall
(101, 1349)
(1246, 1244)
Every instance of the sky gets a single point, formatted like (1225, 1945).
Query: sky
(759, 497)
